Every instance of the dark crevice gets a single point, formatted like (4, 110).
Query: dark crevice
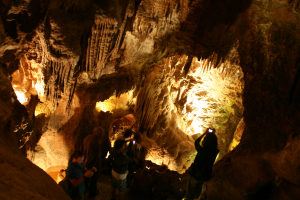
(168, 11)
(188, 65)
(295, 90)
(137, 3)
(298, 5)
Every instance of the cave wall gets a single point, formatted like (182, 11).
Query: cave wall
(269, 52)
(20, 178)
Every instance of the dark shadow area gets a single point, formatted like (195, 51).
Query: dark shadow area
(294, 95)
(262, 193)
(28, 21)
(209, 25)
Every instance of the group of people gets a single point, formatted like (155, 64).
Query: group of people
(84, 165)
(126, 158)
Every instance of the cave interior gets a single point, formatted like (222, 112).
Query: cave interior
(165, 69)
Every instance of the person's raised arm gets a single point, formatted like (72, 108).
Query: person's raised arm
(197, 141)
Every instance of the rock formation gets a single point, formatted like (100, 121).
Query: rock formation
(20, 179)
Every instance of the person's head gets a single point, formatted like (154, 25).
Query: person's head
(119, 145)
(138, 138)
(99, 132)
(210, 141)
(78, 157)
(127, 133)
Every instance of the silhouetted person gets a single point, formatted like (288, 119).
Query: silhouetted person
(119, 169)
(133, 151)
(127, 137)
(91, 147)
(76, 173)
(127, 134)
(207, 151)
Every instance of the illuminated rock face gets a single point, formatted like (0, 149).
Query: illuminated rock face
(28, 80)
(237, 135)
(118, 127)
(177, 104)
(189, 64)
(53, 148)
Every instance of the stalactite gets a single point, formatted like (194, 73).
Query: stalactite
(87, 61)
(295, 4)
(60, 80)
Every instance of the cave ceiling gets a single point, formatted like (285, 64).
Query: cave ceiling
(168, 70)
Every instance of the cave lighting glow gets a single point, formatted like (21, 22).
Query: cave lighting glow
(211, 98)
(42, 108)
(21, 97)
(51, 154)
(38, 79)
(114, 102)
(107, 155)
(28, 80)
(205, 97)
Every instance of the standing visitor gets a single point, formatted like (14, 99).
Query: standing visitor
(201, 170)
(133, 151)
(91, 147)
(119, 170)
(128, 138)
(76, 173)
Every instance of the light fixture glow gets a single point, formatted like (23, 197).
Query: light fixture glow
(211, 98)
(21, 97)
(107, 155)
(113, 103)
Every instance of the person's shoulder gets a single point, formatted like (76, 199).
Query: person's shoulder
(122, 155)
(71, 164)
(82, 166)
(90, 136)
(85, 139)
(90, 139)
(70, 168)
(75, 166)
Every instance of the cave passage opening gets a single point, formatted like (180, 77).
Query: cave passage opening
(189, 102)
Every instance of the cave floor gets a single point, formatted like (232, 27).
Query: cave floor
(104, 189)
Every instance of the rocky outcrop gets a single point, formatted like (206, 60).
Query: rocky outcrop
(237, 135)
(21, 179)
(118, 127)
(268, 50)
